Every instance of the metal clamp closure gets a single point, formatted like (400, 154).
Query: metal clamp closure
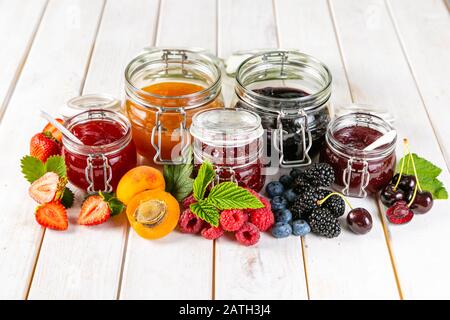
(185, 137)
(276, 55)
(174, 53)
(363, 172)
(219, 170)
(303, 132)
(89, 173)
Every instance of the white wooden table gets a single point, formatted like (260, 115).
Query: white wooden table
(393, 53)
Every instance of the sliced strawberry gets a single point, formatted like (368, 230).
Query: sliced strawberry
(95, 210)
(43, 145)
(53, 131)
(52, 215)
(45, 188)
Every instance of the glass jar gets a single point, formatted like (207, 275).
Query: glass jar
(90, 101)
(359, 172)
(231, 139)
(290, 92)
(106, 154)
(164, 89)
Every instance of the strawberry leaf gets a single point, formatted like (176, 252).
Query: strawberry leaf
(228, 195)
(32, 168)
(57, 165)
(116, 206)
(67, 198)
(206, 211)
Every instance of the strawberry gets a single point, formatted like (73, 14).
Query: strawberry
(52, 215)
(95, 210)
(43, 145)
(47, 188)
(53, 131)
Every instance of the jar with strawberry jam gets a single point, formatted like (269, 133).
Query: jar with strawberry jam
(107, 151)
(290, 91)
(164, 89)
(359, 172)
(232, 140)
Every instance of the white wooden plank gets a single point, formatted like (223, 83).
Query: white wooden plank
(424, 30)
(178, 266)
(85, 263)
(272, 269)
(20, 18)
(379, 75)
(53, 73)
(307, 26)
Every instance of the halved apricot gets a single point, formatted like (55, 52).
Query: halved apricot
(137, 180)
(153, 214)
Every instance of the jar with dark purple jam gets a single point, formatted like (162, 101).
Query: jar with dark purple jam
(359, 172)
(232, 141)
(290, 91)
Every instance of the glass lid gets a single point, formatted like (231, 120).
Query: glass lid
(226, 127)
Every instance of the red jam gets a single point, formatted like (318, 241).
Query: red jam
(355, 138)
(102, 136)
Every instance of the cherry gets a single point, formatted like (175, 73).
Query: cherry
(399, 213)
(422, 202)
(359, 220)
(389, 196)
(407, 183)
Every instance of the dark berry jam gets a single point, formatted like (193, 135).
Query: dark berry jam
(380, 164)
(101, 135)
(317, 121)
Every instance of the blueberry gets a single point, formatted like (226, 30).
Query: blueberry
(286, 181)
(281, 230)
(278, 203)
(300, 228)
(274, 188)
(295, 173)
(284, 216)
(290, 195)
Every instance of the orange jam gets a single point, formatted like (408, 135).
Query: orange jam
(171, 96)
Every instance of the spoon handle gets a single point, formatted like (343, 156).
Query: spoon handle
(60, 127)
(384, 139)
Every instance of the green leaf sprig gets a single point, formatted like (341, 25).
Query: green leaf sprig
(178, 179)
(223, 196)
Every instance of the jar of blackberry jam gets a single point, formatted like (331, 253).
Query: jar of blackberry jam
(290, 91)
(231, 139)
(107, 151)
(359, 172)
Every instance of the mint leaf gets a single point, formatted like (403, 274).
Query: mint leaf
(57, 165)
(205, 175)
(32, 168)
(178, 179)
(206, 211)
(67, 198)
(228, 195)
(427, 173)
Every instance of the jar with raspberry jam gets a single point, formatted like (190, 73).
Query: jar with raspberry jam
(359, 172)
(164, 89)
(232, 140)
(290, 91)
(107, 151)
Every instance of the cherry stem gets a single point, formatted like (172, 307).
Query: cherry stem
(413, 164)
(320, 202)
(405, 154)
(414, 195)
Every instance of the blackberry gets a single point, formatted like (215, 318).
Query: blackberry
(320, 175)
(323, 223)
(300, 184)
(307, 202)
(335, 204)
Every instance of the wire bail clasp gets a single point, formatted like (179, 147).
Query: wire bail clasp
(107, 173)
(229, 170)
(363, 173)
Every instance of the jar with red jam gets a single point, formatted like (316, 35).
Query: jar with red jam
(290, 91)
(107, 151)
(232, 140)
(359, 172)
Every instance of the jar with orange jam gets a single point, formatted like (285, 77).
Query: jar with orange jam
(164, 89)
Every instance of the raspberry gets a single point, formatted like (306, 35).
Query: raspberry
(232, 220)
(189, 222)
(188, 201)
(262, 218)
(248, 235)
(212, 233)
